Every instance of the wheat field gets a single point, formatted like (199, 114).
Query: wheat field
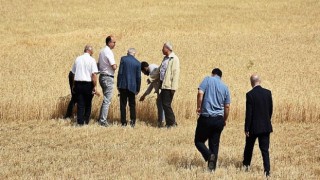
(280, 40)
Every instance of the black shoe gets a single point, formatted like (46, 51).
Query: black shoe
(245, 168)
(212, 162)
(267, 173)
(172, 125)
(132, 123)
(123, 124)
(160, 124)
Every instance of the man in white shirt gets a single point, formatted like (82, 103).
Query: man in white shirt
(107, 66)
(152, 71)
(84, 85)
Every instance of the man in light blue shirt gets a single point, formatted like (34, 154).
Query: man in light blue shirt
(213, 103)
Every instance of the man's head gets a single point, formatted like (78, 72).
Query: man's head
(167, 48)
(217, 71)
(88, 49)
(132, 51)
(255, 80)
(111, 42)
(145, 68)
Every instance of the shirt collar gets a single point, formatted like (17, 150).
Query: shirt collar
(171, 55)
(108, 47)
(87, 54)
(216, 76)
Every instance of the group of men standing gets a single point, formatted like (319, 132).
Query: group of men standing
(83, 81)
(213, 99)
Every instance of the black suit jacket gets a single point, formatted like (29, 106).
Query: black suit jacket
(259, 110)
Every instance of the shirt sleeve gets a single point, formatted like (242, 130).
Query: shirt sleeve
(110, 57)
(94, 68)
(149, 90)
(204, 84)
(228, 99)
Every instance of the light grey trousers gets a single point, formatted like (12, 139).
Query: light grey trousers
(106, 82)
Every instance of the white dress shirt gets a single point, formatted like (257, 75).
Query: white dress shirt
(106, 60)
(83, 68)
(155, 79)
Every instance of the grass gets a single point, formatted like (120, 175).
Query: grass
(56, 149)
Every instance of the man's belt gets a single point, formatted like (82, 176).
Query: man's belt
(108, 75)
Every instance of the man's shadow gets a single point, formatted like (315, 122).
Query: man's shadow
(184, 161)
(227, 162)
(61, 106)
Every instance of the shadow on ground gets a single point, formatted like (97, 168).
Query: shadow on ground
(184, 161)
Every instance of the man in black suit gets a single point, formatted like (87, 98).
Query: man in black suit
(258, 122)
(129, 81)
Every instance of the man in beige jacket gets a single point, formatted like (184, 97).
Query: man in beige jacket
(169, 77)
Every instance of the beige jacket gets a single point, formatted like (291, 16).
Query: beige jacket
(171, 78)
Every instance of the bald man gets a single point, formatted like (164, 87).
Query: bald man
(107, 66)
(85, 81)
(258, 122)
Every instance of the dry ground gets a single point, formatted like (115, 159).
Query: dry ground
(56, 149)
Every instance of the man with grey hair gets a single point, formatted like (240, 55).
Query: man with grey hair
(84, 85)
(129, 81)
(107, 66)
(259, 108)
(169, 78)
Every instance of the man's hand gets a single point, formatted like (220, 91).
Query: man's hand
(142, 98)
(73, 91)
(247, 133)
(95, 92)
(198, 111)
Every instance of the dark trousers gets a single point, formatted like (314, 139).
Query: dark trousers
(166, 96)
(125, 96)
(264, 142)
(73, 97)
(208, 128)
(84, 97)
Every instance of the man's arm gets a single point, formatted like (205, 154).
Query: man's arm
(271, 105)
(226, 112)
(199, 101)
(111, 60)
(73, 84)
(120, 71)
(175, 73)
(138, 77)
(248, 119)
(94, 82)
